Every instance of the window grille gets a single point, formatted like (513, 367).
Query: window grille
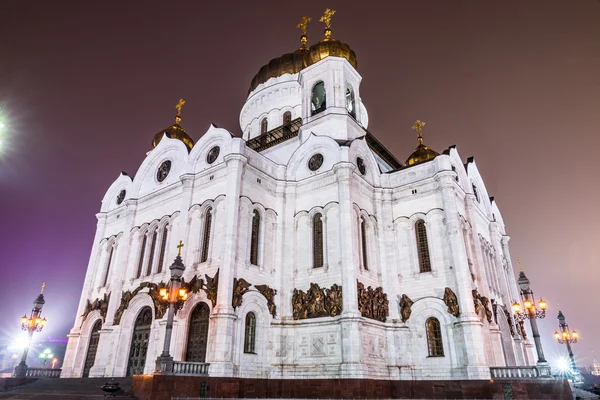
(434, 338)
(250, 333)
(318, 240)
(142, 253)
(163, 247)
(151, 255)
(363, 234)
(422, 247)
(110, 256)
(254, 238)
(206, 235)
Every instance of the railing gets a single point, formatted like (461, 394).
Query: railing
(190, 368)
(514, 372)
(275, 136)
(43, 373)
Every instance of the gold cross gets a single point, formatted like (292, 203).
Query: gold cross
(179, 246)
(417, 128)
(179, 105)
(303, 24)
(520, 263)
(43, 286)
(326, 18)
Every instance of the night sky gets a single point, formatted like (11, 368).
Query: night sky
(86, 85)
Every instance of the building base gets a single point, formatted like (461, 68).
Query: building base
(164, 387)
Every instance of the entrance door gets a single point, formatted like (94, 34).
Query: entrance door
(139, 342)
(92, 348)
(198, 334)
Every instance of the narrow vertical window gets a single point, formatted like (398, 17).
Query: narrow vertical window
(254, 238)
(318, 241)
(287, 118)
(318, 99)
(363, 239)
(110, 256)
(475, 192)
(250, 333)
(350, 104)
(264, 125)
(434, 338)
(151, 255)
(163, 247)
(422, 247)
(206, 234)
(142, 253)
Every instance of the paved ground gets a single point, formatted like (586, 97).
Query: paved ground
(67, 389)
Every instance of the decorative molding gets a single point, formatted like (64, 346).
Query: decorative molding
(269, 294)
(522, 330)
(240, 288)
(405, 305)
(372, 303)
(317, 302)
(452, 302)
(99, 304)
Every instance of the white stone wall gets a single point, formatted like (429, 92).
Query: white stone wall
(467, 243)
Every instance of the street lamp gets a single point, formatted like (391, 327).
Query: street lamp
(46, 355)
(35, 323)
(566, 337)
(175, 295)
(529, 311)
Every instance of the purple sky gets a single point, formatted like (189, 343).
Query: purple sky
(86, 85)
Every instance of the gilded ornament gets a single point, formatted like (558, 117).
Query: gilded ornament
(476, 301)
(509, 319)
(211, 288)
(326, 19)
(405, 307)
(486, 306)
(240, 288)
(99, 304)
(178, 107)
(269, 294)
(451, 301)
(317, 302)
(522, 330)
(372, 303)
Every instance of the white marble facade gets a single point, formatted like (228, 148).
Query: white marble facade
(466, 240)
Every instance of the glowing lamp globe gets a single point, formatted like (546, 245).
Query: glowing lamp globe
(517, 307)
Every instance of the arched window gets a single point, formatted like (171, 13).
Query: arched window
(350, 104)
(422, 247)
(318, 99)
(163, 247)
(90, 357)
(363, 240)
(206, 234)
(434, 338)
(317, 241)
(263, 126)
(287, 118)
(250, 333)
(151, 255)
(142, 253)
(254, 238)
(110, 256)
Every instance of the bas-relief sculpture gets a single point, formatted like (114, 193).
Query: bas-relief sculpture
(99, 304)
(372, 303)
(240, 288)
(452, 302)
(269, 294)
(486, 306)
(405, 305)
(211, 287)
(317, 302)
(509, 319)
(522, 330)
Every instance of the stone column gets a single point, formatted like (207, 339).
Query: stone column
(223, 315)
(469, 326)
(350, 320)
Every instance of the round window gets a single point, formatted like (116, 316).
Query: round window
(121, 196)
(315, 162)
(163, 170)
(213, 154)
(361, 165)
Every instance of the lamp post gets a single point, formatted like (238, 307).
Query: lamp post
(174, 294)
(46, 355)
(567, 337)
(35, 323)
(529, 311)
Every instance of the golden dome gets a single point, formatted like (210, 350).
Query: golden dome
(330, 47)
(290, 63)
(421, 154)
(175, 131)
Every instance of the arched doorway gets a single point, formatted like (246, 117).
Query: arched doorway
(198, 334)
(92, 348)
(139, 342)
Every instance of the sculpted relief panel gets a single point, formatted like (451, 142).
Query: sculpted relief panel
(372, 303)
(317, 302)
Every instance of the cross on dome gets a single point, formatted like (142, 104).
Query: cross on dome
(179, 246)
(326, 18)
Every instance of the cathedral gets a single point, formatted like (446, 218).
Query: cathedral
(310, 250)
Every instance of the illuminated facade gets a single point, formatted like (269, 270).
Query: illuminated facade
(310, 250)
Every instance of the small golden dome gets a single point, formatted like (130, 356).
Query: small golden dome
(421, 154)
(175, 131)
(331, 47)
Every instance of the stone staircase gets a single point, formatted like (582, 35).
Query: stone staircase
(67, 389)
